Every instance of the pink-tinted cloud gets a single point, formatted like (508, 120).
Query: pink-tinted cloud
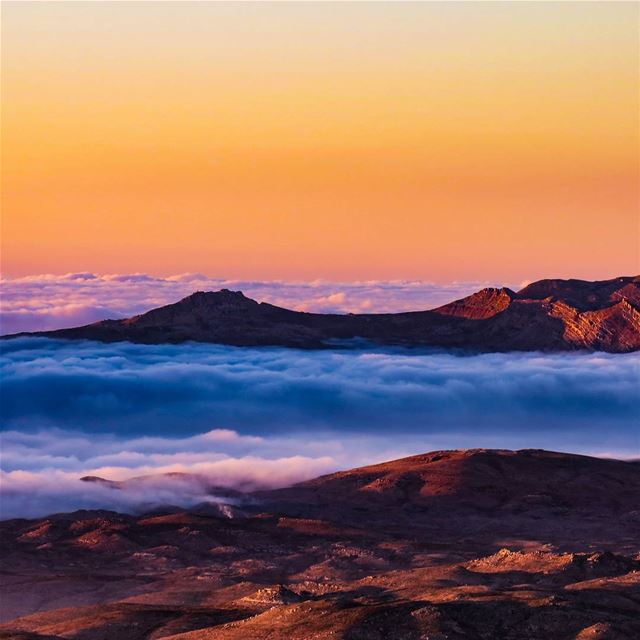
(38, 493)
(45, 302)
(42, 470)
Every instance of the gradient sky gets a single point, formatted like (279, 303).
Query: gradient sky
(339, 140)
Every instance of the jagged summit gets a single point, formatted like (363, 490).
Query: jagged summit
(481, 305)
(549, 315)
(585, 295)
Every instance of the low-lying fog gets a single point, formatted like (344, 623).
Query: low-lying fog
(253, 418)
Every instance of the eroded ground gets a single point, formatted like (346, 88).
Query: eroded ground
(449, 545)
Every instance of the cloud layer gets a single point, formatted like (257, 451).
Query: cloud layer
(188, 389)
(250, 418)
(253, 418)
(45, 302)
(41, 470)
(53, 484)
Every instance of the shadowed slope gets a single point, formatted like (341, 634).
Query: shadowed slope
(550, 315)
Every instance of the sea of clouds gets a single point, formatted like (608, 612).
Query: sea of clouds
(252, 418)
(259, 418)
(46, 302)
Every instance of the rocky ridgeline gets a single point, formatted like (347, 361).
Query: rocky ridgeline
(549, 315)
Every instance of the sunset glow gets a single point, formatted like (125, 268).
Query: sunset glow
(320, 319)
(440, 141)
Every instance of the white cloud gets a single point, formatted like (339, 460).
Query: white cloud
(39, 493)
(45, 302)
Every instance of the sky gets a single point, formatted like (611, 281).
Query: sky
(491, 141)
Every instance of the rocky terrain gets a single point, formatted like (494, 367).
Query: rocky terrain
(549, 315)
(449, 545)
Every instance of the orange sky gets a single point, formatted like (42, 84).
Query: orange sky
(438, 141)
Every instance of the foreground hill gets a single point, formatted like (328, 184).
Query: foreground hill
(548, 315)
(451, 545)
(454, 484)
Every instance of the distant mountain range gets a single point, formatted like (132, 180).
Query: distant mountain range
(548, 315)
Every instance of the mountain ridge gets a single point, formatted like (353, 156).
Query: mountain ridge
(547, 315)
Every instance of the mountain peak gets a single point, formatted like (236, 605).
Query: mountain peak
(481, 305)
(223, 296)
